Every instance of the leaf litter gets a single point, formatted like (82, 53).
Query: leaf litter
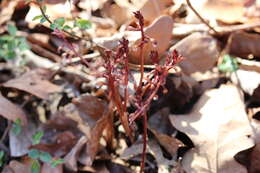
(204, 119)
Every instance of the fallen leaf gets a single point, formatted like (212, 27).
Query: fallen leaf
(72, 157)
(197, 48)
(90, 105)
(244, 45)
(93, 117)
(154, 8)
(11, 111)
(46, 168)
(256, 95)
(160, 126)
(154, 149)
(232, 11)
(113, 10)
(117, 168)
(250, 158)
(90, 5)
(18, 167)
(161, 32)
(19, 144)
(64, 142)
(217, 123)
(7, 10)
(54, 11)
(244, 79)
(34, 82)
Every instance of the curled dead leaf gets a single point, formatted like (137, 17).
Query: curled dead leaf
(34, 82)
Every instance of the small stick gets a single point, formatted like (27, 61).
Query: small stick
(200, 17)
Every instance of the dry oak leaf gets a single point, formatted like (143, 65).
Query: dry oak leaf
(11, 111)
(219, 128)
(93, 118)
(34, 82)
(244, 44)
(200, 50)
(161, 32)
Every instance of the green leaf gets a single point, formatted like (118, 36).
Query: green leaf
(37, 137)
(2, 154)
(43, 19)
(17, 125)
(35, 167)
(23, 45)
(34, 154)
(11, 30)
(11, 55)
(55, 163)
(83, 24)
(67, 27)
(45, 157)
(53, 26)
(37, 17)
(5, 38)
(59, 22)
(12, 45)
(229, 64)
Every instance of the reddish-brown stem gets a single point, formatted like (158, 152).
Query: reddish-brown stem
(144, 142)
(141, 67)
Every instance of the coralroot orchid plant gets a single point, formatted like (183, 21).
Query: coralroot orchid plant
(118, 76)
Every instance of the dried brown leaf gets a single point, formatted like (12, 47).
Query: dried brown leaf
(200, 51)
(160, 126)
(219, 128)
(46, 168)
(250, 159)
(34, 82)
(161, 31)
(19, 144)
(93, 118)
(72, 157)
(17, 167)
(244, 44)
(154, 149)
(62, 145)
(232, 11)
(11, 111)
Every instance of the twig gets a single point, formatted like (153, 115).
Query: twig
(233, 28)
(200, 17)
(67, 32)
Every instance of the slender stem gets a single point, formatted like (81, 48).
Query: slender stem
(141, 67)
(144, 142)
(67, 32)
(200, 17)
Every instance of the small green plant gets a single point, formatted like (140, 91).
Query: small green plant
(17, 127)
(35, 167)
(229, 64)
(60, 23)
(11, 44)
(42, 156)
(37, 137)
